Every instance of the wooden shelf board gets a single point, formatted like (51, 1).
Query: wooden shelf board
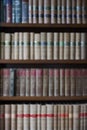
(43, 61)
(45, 98)
(23, 25)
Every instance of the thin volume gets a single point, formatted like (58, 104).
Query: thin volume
(68, 12)
(84, 11)
(2, 46)
(67, 82)
(61, 46)
(45, 82)
(1, 82)
(70, 117)
(79, 11)
(63, 10)
(35, 11)
(40, 11)
(53, 11)
(13, 12)
(59, 11)
(73, 11)
(62, 117)
(85, 83)
(43, 117)
(59, 116)
(30, 11)
(83, 46)
(47, 11)
(81, 118)
(24, 11)
(55, 118)
(27, 91)
(72, 46)
(31, 46)
(38, 117)
(66, 118)
(17, 83)
(62, 82)
(20, 45)
(2, 114)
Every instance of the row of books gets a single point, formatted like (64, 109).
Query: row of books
(43, 11)
(44, 45)
(43, 117)
(43, 82)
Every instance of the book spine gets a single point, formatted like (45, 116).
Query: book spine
(49, 116)
(24, 11)
(37, 46)
(7, 45)
(78, 11)
(4, 11)
(51, 82)
(27, 93)
(1, 82)
(72, 82)
(47, 11)
(13, 12)
(33, 116)
(2, 117)
(33, 82)
(62, 82)
(59, 11)
(83, 46)
(35, 11)
(6, 81)
(40, 11)
(56, 46)
(59, 117)
(78, 46)
(7, 117)
(56, 82)
(63, 10)
(55, 118)
(43, 46)
(70, 117)
(13, 116)
(26, 46)
(12, 45)
(8, 11)
(39, 82)
(53, 11)
(26, 120)
(66, 117)
(30, 11)
(81, 117)
(73, 11)
(19, 117)
(49, 46)
(17, 85)
(22, 82)
(20, 46)
(2, 45)
(31, 46)
(45, 82)
(11, 90)
(72, 46)
(38, 117)
(85, 116)
(43, 117)
(61, 46)
(16, 46)
(85, 83)
(67, 82)
(68, 12)
(18, 12)
(62, 116)
(66, 46)
(84, 12)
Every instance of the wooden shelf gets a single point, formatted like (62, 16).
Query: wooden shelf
(23, 25)
(46, 98)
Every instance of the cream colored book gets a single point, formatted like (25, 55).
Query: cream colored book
(7, 116)
(55, 118)
(30, 11)
(38, 117)
(59, 116)
(35, 11)
(45, 81)
(43, 117)
(67, 82)
(81, 117)
(62, 82)
(27, 91)
(83, 46)
(63, 11)
(66, 117)
(62, 117)
(72, 45)
(79, 11)
(59, 11)
(68, 11)
(20, 45)
(40, 11)
(70, 117)
(31, 46)
(53, 11)
(61, 46)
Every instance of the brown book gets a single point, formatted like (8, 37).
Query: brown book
(66, 116)
(35, 11)
(84, 11)
(68, 11)
(78, 11)
(59, 11)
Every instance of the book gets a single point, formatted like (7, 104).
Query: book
(81, 117)
(40, 11)
(43, 117)
(70, 117)
(2, 46)
(35, 11)
(62, 116)
(68, 12)
(45, 82)
(83, 46)
(78, 11)
(2, 117)
(73, 11)
(13, 12)
(62, 82)
(53, 11)
(63, 11)
(59, 11)
(59, 116)
(61, 46)
(24, 11)
(1, 82)
(84, 12)
(17, 82)
(30, 11)
(67, 82)
(31, 46)
(55, 118)
(72, 45)
(66, 116)
(21, 46)
(27, 88)
(39, 117)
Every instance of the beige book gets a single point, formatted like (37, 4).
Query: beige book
(66, 117)
(70, 117)
(84, 11)
(43, 45)
(40, 11)
(26, 46)
(55, 118)
(19, 116)
(63, 11)
(67, 82)
(2, 112)
(13, 116)
(45, 82)
(59, 11)
(20, 45)
(31, 45)
(37, 46)
(39, 82)
(56, 82)
(49, 116)
(73, 11)
(61, 46)
(43, 117)
(49, 46)
(62, 115)
(47, 11)
(38, 117)
(56, 46)
(33, 116)
(17, 84)
(78, 11)
(12, 46)
(53, 11)
(30, 11)
(7, 49)
(16, 46)
(81, 117)
(68, 12)
(72, 46)
(7, 117)
(62, 82)
(83, 46)
(85, 83)
(26, 119)
(66, 46)
(59, 116)
(2, 45)
(78, 46)
(35, 11)
(27, 91)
